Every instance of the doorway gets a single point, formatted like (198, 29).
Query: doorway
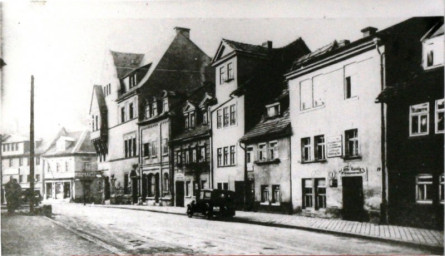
(179, 193)
(239, 195)
(353, 198)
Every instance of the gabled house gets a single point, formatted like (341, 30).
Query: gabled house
(130, 81)
(247, 77)
(268, 161)
(70, 169)
(191, 145)
(414, 99)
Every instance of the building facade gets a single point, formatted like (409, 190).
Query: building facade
(247, 76)
(268, 158)
(70, 169)
(336, 146)
(191, 146)
(414, 97)
(15, 161)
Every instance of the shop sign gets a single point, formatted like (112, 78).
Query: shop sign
(334, 146)
(350, 170)
(179, 176)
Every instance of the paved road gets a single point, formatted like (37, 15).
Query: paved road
(36, 235)
(141, 232)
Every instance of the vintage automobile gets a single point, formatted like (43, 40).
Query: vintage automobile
(212, 203)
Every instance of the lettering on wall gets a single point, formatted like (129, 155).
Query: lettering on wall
(334, 146)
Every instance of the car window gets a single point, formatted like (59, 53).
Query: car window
(205, 194)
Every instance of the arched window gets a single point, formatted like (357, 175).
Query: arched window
(166, 182)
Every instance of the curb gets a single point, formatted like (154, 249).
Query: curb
(436, 249)
(89, 237)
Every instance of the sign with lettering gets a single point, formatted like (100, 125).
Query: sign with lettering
(350, 170)
(334, 146)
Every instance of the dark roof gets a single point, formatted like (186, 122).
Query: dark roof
(126, 62)
(270, 128)
(198, 131)
(196, 96)
(248, 48)
(320, 51)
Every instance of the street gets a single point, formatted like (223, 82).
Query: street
(142, 232)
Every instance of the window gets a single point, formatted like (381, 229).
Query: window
(276, 196)
(154, 108)
(122, 114)
(146, 149)
(305, 95)
(273, 150)
(307, 193)
(37, 177)
(165, 146)
(226, 156)
(192, 120)
(419, 119)
(10, 162)
(439, 116)
(222, 71)
(430, 58)
(305, 149)
(126, 190)
(21, 178)
(165, 105)
(262, 152)
(205, 117)
(223, 186)
(320, 195)
(232, 155)
(166, 182)
(194, 156)
(350, 77)
(249, 155)
(203, 184)
(154, 148)
(318, 92)
(433, 52)
(178, 157)
(230, 71)
(264, 193)
(96, 123)
(187, 156)
(348, 87)
(232, 114)
(441, 188)
(186, 121)
(226, 117)
(202, 154)
(188, 188)
(20, 161)
(130, 107)
(219, 156)
(424, 188)
(351, 143)
(320, 147)
(219, 118)
(273, 110)
(130, 145)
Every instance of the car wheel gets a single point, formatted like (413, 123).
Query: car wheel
(209, 214)
(189, 212)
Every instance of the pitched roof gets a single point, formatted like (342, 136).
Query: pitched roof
(81, 144)
(126, 62)
(200, 130)
(248, 48)
(270, 128)
(318, 52)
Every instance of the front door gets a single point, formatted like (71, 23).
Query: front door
(134, 190)
(239, 195)
(352, 198)
(179, 193)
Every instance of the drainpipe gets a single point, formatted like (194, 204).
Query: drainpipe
(384, 204)
(245, 176)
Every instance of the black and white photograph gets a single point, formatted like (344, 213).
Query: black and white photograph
(251, 127)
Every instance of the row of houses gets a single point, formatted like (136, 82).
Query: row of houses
(352, 130)
(65, 168)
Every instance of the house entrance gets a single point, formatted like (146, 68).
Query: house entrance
(179, 193)
(352, 198)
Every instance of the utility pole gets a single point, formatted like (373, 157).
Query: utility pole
(31, 153)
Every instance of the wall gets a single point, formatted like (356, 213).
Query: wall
(337, 115)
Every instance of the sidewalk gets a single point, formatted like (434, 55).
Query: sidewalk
(405, 235)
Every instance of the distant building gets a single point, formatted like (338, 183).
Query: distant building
(247, 77)
(15, 161)
(70, 168)
(191, 146)
(414, 97)
(268, 157)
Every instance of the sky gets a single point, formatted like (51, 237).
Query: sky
(64, 43)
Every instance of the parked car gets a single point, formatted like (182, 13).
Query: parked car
(212, 203)
(26, 194)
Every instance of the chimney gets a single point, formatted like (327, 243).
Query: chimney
(267, 44)
(368, 31)
(184, 31)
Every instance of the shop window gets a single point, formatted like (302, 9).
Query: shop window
(424, 188)
(276, 195)
(418, 119)
(439, 116)
(306, 149)
(264, 193)
(351, 143)
(320, 148)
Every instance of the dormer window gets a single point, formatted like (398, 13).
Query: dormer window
(147, 110)
(433, 48)
(273, 110)
(154, 108)
(165, 105)
(132, 81)
(205, 117)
